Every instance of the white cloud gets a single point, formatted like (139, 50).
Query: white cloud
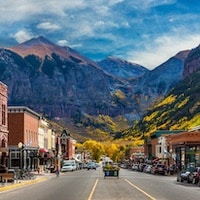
(12, 11)
(148, 4)
(48, 26)
(162, 48)
(22, 36)
(63, 43)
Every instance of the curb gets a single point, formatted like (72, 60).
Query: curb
(20, 184)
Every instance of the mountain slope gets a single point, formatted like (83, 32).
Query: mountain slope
(179, 109)
(122, 68)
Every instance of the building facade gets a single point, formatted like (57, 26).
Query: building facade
(178, 148)
(23, 124)
(3, 124)
(185, 149)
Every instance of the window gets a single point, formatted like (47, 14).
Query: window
(3, 114)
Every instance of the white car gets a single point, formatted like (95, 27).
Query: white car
(135, 167)
(68, 167)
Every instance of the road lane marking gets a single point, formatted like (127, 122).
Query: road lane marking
(148, 195)
(93, 189)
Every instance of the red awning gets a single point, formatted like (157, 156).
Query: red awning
(42, 150)
(155, 160)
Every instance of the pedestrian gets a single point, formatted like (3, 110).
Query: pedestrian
(57, 171)
(38, 169)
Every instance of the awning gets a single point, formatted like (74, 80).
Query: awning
(157, 159)
(42, 150)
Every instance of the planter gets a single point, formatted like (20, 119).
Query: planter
(111, 173)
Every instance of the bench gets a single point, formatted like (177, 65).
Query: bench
(5, 177)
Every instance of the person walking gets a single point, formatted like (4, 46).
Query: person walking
(57, 171)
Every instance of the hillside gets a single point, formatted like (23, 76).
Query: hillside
(179, 110)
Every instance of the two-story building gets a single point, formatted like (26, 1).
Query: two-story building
(23, 126)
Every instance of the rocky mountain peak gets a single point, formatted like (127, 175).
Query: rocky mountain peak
(42, 47)
(39, 46)
(182, 55)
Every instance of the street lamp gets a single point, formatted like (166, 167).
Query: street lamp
(20, 145)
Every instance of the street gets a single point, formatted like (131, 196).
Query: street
(91, 185)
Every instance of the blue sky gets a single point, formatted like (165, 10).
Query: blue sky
(146, 32)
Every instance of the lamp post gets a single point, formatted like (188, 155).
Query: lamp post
(20, 145)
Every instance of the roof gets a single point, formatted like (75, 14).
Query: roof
(158, 133)
(22, 109)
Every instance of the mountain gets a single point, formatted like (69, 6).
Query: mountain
(61, 81)
(192, 62)
(179, 109)
(155, 84)
(92, 101)
(121, 68)
(42, 48)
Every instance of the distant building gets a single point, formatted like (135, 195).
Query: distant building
(67, 145)
(3, 124)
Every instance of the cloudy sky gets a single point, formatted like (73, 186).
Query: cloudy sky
(147, 32)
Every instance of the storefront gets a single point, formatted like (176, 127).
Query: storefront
(186, 147)
(24, 158)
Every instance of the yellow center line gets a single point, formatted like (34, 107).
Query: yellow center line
(93, 189)
(140, 189)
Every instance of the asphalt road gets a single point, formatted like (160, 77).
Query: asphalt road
(91, 185)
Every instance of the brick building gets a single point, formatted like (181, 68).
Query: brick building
(67, 145)
(23, 124)
(3, 124)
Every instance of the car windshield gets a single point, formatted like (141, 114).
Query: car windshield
(91, 163)
(67, 164)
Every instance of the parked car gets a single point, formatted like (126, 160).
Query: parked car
(185, 174)
(68, 166)
(147, 169)
(91, 165)
(135, 167)
(159, 169)
(142, 166)
(194, 176)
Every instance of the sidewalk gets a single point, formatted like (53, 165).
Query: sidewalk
(19, 183)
